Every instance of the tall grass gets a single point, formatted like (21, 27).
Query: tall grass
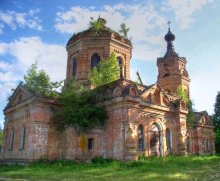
(153, 168)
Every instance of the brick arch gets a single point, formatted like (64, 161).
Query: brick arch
(156, 139)
(95, 59)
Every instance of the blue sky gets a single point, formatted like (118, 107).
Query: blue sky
(38, 30)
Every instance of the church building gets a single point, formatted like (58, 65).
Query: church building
(143, 120)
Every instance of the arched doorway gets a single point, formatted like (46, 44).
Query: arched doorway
(156, 140)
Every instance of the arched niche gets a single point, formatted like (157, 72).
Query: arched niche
(156, 141)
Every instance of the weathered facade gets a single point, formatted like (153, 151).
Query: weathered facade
(142, 120)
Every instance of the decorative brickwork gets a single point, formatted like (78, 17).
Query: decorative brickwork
(142, 120)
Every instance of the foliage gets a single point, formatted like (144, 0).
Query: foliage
(182, 94)
(189, 103)
(97, 25)
(107, 71)
(191, 114)
(157, 168)
(1, 136)
(79, 109)
(216, 121)
(101, 160)
(39, 82)
(124, 30)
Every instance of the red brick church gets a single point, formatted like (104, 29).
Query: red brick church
(143, 120)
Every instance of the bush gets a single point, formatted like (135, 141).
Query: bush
(101, 160)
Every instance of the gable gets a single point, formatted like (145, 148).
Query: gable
(156, 96)
(20, 94)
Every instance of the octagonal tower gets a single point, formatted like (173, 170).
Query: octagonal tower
(86, 49)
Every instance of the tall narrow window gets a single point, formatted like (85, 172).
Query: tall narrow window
(90, 143)
(11, 139)
(22, 141)
(169, 139)
(74, 67)
(120, 66)
(95, 60)
(140, 137)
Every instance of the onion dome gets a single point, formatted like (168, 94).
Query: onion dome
(170, 37)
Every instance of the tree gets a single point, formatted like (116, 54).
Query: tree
(124, 30)
(39, 82)
(97, 25)
(79, 109)
(1, 137)
(107, 71)
(216, 121)
(189, 103)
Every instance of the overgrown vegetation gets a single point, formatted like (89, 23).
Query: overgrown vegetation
(97, 25)
(153, 168)
(124, 30)
(107, 71)
(79, 103)
(40, 83)
(190, 116)
(79, 109)
(216, 121)
(1, 136)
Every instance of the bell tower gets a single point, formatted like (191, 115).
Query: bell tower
(172, 69)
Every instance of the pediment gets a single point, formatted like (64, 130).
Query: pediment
(155, 95)
(20, 94)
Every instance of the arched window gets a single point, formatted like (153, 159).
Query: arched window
(140, 137)
(169, 139)
(22, 141)
(74, 67)
(120, 66)
(11, 141)
(95, 60)
(166, 75)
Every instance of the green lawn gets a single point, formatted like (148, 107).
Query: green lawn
(170, 168)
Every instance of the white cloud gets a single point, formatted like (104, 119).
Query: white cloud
(204, 88)
(21, 20)
(26, 50)
(184, 9)
(4, 66)
(142, 19)
(5, 90)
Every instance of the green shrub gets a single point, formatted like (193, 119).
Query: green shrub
(101, 160)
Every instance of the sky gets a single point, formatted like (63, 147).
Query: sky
(33, 30)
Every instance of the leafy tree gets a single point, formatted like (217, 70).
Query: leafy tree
(124, 30)
(97, 25)
(181, 93)
(107, 71)
(79, 109)
(1, 137)
(189, 103)
(39, 82)
(216, 121)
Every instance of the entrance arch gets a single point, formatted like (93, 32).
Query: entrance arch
(156, 147)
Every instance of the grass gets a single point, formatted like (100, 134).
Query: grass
(169, 168)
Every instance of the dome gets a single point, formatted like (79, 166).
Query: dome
(169, 36)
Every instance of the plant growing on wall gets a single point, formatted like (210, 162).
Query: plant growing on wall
(216, 121)
(79, 109)
(124, 30)
(40, 83)
(107, 71)
(190, 116)
(97, 25)
(1, 136)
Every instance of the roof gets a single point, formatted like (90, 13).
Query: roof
(106, 32)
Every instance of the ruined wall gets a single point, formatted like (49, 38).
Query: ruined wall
(35, 118)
